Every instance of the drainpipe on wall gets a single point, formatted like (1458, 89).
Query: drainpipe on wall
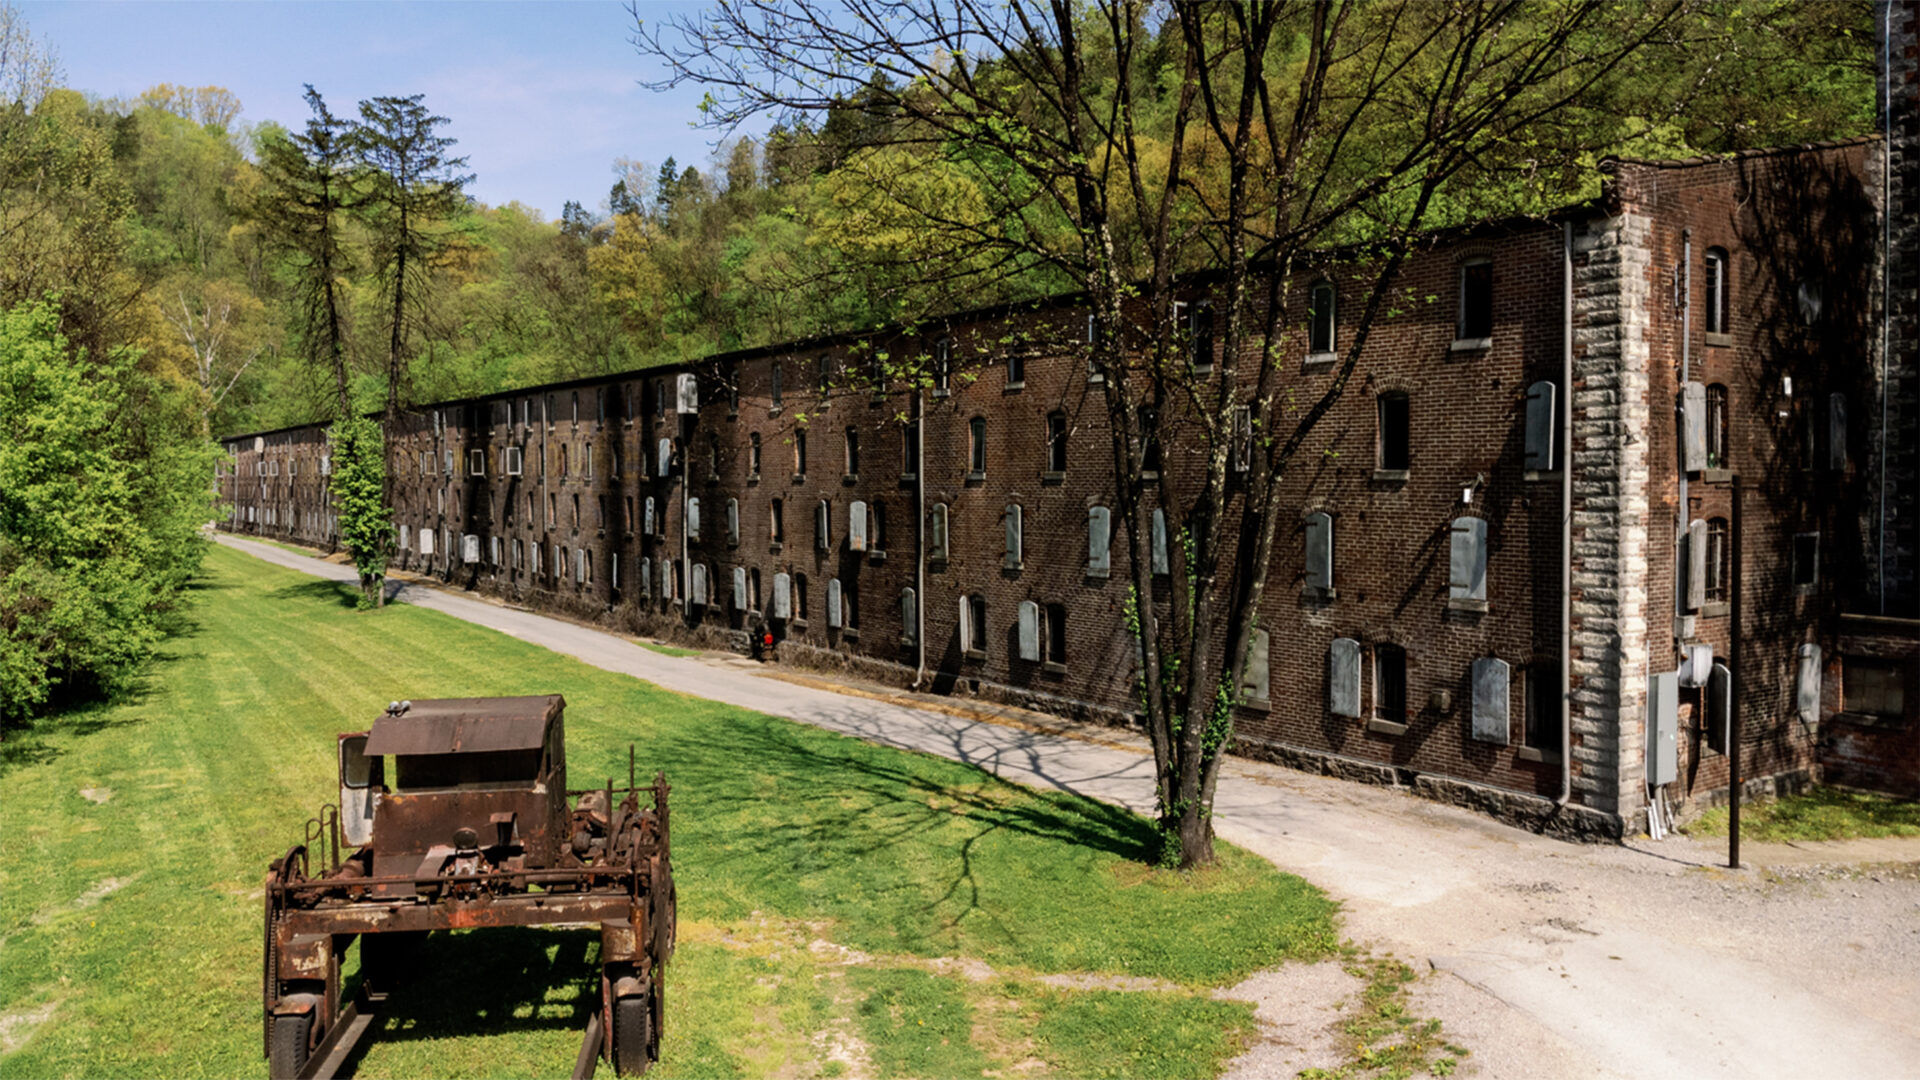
(1566, 514)
(1886, 286)
(686, 492)
(920, 537)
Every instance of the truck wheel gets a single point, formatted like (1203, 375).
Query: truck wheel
(632, 1039)
(291, 1038)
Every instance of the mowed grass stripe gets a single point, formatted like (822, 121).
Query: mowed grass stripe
(803, 856)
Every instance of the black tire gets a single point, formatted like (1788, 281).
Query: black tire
(292, 1038)
(632, 1035)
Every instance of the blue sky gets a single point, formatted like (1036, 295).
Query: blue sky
(542, 96)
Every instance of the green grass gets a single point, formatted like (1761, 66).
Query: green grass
(1818, 814)
(667, 650)
(820, 877)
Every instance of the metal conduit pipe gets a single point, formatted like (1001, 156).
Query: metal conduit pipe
(1566, 514)
(920, 538)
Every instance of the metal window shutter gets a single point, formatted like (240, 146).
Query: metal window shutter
(733, 521)
(1696, 564)
(833, 602)
(966, 623)
(1015, 537)
(740, 588)
(698, 593)
(1099, 541)
(782, 596)
(1541, 414)
(1029, 630)
(1255, 681)
(693, 519)
(1693, 414)
(1343, 678)
(1806, 693)
(909, 622)
(1160, 564)
(857, 526)
(1319, 550)
(666, 456)
(822, 525)
(1467, 563)
(1491, 680)
(939, 531)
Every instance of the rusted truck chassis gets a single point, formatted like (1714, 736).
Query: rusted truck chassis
(478, 829)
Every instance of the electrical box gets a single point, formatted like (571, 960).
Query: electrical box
(1663, 728)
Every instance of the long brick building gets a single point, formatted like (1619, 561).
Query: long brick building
(1524, 536)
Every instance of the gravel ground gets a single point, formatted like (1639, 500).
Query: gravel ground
(1543, 958)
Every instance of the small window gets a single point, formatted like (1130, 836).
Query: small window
(1716, 433)
(576, 407)
(822, 525)
(799, 453)
(1542, 419)
(835, 606)
(850, 603)
(1806, 561)
(823, 373)
(942, 367)
(1200, 336)
(782, 596)
(876, 526)
(1056, 635)
(774, 378)
(1016, 371)
(733, 521)
(753, 454)
(1714, 291)
(1320, 319)
(977, 448)
(1015, 537)
(1150, 432)
(853, 452)
(800, 597)
(1870, 686)
(776, 527)
(974, 635)
(515, 460)
(1057, 442)
(1390, 684)
(740, 588)
(1719, 561)
(1476, 300)
(1542, 721)
(1028, 630)
(753, 589)
(1394, 437)
(1343, 678)
(909, 452)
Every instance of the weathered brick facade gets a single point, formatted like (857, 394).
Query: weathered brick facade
(1791, 226)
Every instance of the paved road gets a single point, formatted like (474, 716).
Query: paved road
(1551, 959)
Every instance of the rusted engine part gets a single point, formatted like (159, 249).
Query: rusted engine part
(540, 858)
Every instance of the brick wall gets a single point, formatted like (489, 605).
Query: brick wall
(1391, 532)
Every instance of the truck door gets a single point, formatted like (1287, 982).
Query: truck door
(362, 779)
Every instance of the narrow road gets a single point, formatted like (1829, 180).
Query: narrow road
(1550, 959)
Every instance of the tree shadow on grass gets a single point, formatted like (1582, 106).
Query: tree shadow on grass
(876, 806)
(319, 591)
(492, 981)
(44, 740)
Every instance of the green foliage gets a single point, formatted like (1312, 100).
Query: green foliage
(1388, 1041)
(103, 486)
(1106, 1033)
(359, 499)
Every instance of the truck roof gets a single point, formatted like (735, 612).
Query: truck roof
(466, 725)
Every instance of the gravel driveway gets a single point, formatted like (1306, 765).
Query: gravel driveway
(1545, 959)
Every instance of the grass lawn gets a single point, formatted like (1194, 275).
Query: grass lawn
(844, 908)
(1818, 814)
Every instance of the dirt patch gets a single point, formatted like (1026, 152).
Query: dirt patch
(96, 794)
(1299, 1008)
(18, 1026)
(85, 900)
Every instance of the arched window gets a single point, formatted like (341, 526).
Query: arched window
(1719, 561)
(693, 519)
(1714, 290)
(799, 453)
(1056, 442)
(1394, 440)
(776, 525)
(1717, 426)
(1016, 537)
(1320, 319)
(733, 521)
(977, 448)
(942, 367)
(853, 453)
(822, 525)
(753, 456)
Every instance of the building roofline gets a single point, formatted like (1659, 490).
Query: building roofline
(1612, 162)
